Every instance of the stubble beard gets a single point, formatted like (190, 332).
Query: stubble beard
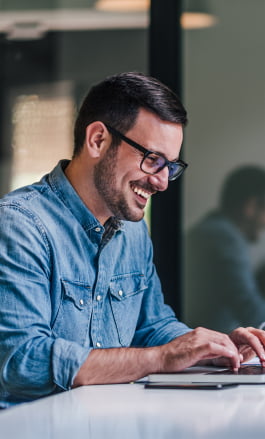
(105, 182)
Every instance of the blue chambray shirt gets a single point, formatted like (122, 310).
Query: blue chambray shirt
(65, 291)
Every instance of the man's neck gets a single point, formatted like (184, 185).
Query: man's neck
(80, 176)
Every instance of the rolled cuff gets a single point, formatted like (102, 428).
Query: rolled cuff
(67, 359)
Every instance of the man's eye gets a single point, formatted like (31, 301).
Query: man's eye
(152, 160)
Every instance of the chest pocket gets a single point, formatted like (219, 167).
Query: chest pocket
(74, 313)
(126, 293)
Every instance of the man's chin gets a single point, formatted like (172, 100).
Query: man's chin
(134, 216)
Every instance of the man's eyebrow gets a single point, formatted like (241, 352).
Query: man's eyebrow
(175, 160)
(163, 155)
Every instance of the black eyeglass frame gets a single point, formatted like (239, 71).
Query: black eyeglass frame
(170, 165)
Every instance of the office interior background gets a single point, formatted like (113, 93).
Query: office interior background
(51, 52)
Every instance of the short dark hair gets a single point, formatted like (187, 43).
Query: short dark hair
(117, 99)
(241, 185)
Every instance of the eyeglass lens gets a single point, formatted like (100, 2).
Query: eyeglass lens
(154, 163)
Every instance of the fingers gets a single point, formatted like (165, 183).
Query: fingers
(252, 338)
(200, 344)
(204, 344)
(246, 353)
(231, 357)
(217, 345)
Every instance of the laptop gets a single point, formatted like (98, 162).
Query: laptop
(247, 374)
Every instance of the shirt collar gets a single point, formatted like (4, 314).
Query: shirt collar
(67, 194)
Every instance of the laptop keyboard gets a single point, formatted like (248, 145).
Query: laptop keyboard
(243, 370)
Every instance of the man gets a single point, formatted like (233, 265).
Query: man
(81, 302)
(221, 289)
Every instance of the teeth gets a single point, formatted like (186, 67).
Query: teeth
(139, 191)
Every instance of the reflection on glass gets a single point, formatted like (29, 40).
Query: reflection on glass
(224, 73)
(222, 292)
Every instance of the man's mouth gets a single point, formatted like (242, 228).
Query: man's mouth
(141, 192)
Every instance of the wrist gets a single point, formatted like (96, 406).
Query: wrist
(156, 359)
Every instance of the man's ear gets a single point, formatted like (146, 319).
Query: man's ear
(96, 140)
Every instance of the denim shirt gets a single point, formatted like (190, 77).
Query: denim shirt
(65, 290)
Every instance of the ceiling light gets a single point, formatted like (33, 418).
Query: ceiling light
(122, 5)
(197, 15)
(197, 20)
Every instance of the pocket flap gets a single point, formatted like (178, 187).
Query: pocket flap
(126, 285)
(78, 292)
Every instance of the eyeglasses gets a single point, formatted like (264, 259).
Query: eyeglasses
(153, 162)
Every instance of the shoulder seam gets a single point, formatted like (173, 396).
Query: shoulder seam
(36, 220)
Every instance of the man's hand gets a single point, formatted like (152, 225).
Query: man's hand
(250, 342)
(202, 344)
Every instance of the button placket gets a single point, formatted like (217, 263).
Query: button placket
(99, 300)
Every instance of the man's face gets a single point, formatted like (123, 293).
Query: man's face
(122, 186)
(255, 221)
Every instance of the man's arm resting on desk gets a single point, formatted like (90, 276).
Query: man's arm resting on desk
(118, 365)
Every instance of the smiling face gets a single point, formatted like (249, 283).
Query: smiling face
(123, 188)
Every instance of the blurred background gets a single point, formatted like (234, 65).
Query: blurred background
(210, 52)
(224, 91)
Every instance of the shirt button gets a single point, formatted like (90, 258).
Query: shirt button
(97, 229)
(120, 292)
(81, 302)
(98, 298)
(98, 345)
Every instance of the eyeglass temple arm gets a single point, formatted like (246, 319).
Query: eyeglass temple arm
(126, 139)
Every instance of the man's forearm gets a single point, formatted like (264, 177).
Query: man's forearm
(121, 365)
(117, 365)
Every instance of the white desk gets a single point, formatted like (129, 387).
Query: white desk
(131, 412)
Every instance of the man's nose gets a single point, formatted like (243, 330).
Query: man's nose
(160, 180)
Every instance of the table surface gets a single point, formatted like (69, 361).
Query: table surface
(131, 411)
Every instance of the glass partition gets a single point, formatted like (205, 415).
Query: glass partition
(224, 194)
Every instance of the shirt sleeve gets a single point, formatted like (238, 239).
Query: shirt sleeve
(33, 362)
(157, 323)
